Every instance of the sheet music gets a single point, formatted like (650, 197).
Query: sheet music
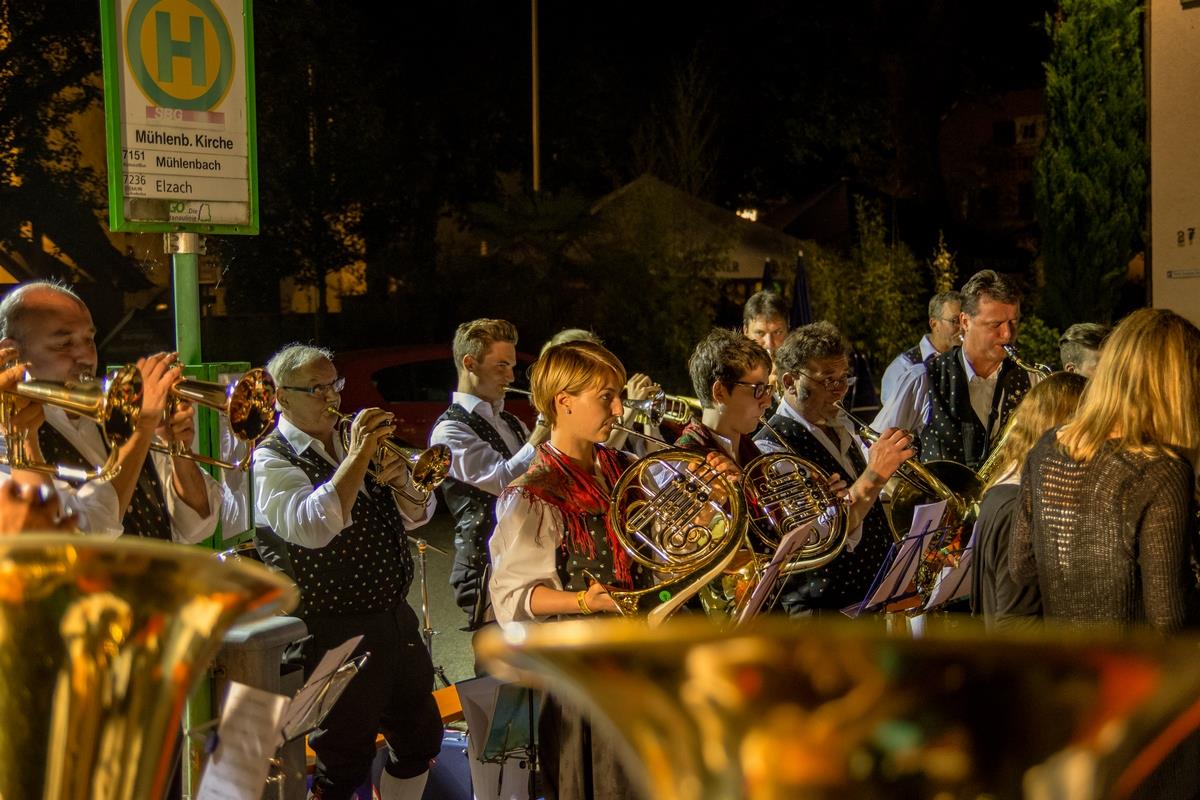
(903, 569)
(954, 582)
(310, 694)
(246, 740)
(787, 545)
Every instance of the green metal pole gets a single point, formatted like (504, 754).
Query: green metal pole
(185, 249)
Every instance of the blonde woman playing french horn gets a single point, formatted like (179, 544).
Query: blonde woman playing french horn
(552, 526)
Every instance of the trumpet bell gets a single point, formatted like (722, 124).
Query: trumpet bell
(429, 467)
(100, 644)
(822, 709)
(114, 402)
(248, 402)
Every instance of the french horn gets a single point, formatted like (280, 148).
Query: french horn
(681, 521)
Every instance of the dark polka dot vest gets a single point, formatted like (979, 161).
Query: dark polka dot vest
(147, 512)
(571, 563)
(847, 578)
(474, 510)
(367, 568)
(954, 432)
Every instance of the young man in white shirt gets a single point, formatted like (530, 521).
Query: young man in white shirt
(490, 448)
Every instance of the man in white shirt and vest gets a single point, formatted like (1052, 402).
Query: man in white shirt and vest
(154, 495)
(490, 448)
(944, 333)
(332, 507)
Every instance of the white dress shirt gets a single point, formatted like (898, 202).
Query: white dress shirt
(303, 514)
(840, 450)
(475, 462)
(187, 526)
(901, 365)
(524, 550)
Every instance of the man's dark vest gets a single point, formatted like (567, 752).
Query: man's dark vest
(913, 354)
(954, 432)
(147, 512)
(474, 510)
(847, 578)
(367, 567)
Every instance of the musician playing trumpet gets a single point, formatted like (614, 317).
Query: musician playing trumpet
(160, 496)
(813, 366)
(341, 529)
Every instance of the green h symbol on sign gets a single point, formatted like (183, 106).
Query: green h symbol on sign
(169, 49)
(209, 42)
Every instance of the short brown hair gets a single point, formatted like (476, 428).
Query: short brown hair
(808, 342)
(475, 337)
(571, 367)
(991, 284)
(764, 304)
(939, 300)
(724, 356)
(1078, 339)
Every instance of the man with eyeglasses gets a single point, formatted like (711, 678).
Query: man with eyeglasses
(944, 333)
(814, 371)
(490, 448)
(331, 508)
(959, 403)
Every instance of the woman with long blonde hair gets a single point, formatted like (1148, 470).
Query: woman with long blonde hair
(1001, 601)
(1106, 513)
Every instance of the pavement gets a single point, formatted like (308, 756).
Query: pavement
(451, 646)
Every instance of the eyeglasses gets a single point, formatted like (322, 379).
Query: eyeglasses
(831, 384)
(320, 388)
(949, 320)
(759, 389)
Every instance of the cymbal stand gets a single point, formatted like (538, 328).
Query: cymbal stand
(427, 631)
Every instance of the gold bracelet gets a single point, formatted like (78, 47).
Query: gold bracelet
(581, 598)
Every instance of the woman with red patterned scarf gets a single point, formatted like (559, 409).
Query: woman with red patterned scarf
(552, 525)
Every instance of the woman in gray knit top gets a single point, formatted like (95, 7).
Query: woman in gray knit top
(1107, 510)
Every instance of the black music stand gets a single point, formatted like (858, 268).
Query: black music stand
(329, 688)
(898, 571)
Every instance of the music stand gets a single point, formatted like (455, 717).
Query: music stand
(511, 724)
(899, 569)
(314, 708)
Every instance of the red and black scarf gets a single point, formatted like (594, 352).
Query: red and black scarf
(555, 479)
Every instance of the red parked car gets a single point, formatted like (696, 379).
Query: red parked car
(414, 382)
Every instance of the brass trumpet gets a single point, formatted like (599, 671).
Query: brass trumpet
(666, 407)
(114, 403)
(426, 468)
(248, 402)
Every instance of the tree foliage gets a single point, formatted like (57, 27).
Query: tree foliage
(1090, 181)
(876, 294)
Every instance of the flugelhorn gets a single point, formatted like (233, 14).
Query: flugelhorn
(426, 468)
(1035, 368)
(662, 407)
(114, 403)
(248, 403)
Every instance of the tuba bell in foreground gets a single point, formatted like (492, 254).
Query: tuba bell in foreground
(100, 643)
(826, 709)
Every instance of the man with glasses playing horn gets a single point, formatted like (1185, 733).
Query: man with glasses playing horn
(813, 365)
(343, 528)
(160, 496)
(490, 448)
(959, 403)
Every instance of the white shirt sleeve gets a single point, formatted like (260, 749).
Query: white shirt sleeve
(524, 550)
(285, 499)
(96, 505)
(909, 408)
(415, 515)
(891, 377)
(477, 463)
(187, 526)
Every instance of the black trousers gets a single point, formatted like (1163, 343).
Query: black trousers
(392, 694)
